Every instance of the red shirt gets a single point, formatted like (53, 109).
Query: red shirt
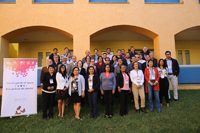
(99, 66)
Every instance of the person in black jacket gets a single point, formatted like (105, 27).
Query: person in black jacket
(55, 52)
(81, 69)
(144, 52)
(107, 61)
(173, 72)
(119, 56)
(48, 91)
(124, 88)
(92, 83)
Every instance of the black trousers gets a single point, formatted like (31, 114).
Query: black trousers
(108, 98)
(117, 95)
(92, 99)
(124, 102)
(48, 102)
(164, 87)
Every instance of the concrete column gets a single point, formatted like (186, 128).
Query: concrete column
(4, 52)
(81, 43)
(164, 43)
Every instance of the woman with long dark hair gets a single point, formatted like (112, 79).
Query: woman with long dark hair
(62, 87)
(92, 88)
(163, 82)
(114, 61)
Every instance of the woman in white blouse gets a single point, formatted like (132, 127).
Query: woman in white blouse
(62, 87)
(137, 79)
(163, 82)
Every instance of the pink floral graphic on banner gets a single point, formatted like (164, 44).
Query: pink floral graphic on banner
(20, 66)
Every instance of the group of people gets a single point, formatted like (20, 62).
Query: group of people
(122, 75)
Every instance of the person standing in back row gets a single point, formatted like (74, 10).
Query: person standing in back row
(55, 52)
(173, 72)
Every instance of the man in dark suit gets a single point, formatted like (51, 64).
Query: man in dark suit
(119, 56)
(130, 66)
(155, 62)
(56, 62)
(145, 65)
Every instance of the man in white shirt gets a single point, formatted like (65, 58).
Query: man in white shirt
(66, 50)
(108, 53)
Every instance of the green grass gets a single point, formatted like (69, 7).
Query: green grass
(179, 117)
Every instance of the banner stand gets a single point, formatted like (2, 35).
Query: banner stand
(19, 92)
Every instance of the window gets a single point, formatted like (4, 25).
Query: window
(40, 59)
(108, 1)
(7, 1)
(53, 1)
(187, 57)
(162, 1)
(180, 57)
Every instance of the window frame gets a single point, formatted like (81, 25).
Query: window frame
(33, 1)
(14, 2)
(180, 2)
(127, 2)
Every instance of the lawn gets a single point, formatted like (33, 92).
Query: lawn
(183, 116)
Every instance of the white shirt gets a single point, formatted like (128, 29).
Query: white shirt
(85, 66)
(151, 74)
(95, 59)
(90, 81)
(110, 56)
(169, 65)
(163, 72)
(137, 78)
(69, 61)
(128, 61)
(61, 81)
(141, 61)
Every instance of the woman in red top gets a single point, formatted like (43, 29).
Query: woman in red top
(100, 63)
(151, 75)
